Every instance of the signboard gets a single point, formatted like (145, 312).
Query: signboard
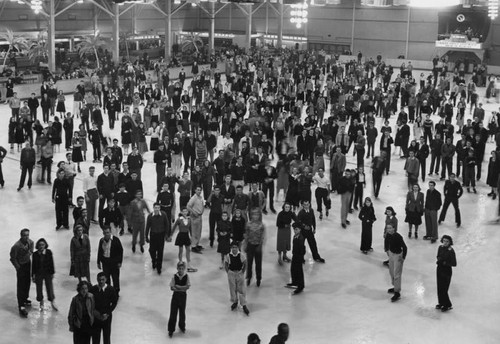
(459, 45)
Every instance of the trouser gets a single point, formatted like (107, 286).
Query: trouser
(311, 240)
(443, 276)
(366, 236)
(2, 181)
(90, 204)
(322, 198)
(447, 201)
(377, 182)
(111, 120)
(77, 105)
(62, 213)
(124, 211)
(26, 169)
(39, 279)
(23, 283)
(45, 115)
(46, 167)
(446, 165)
(71, 181)
(470, 176)
(189, 160)
(412, 180)
(387, 160)
(96, 150)
(176, 164)
(396, 269)
(479, 165)
(137, 229)
(102, 201)
(105, 328)
(81, 336)
(411, 114)
(422, 168)
(459, 165)
(254, 252)
(112, 272)
(428, 134)
(213, 218)
(358, 195)
(435, 160)
(196, 227)
(156, 245)
(345, 199)
(297, 272)
(177, 305)
(160, 173)
(371, 149)
(269, 187)
(360, 156)
(431, 224)
(237, 288)
(183, 201)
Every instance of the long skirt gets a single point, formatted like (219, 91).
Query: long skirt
(283, 239)
(366, 236)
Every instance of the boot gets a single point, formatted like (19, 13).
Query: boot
(409, 234)
(416, 235)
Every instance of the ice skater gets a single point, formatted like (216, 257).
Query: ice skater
(236, 265)
(298, 253)
(179, 285)
(396, 250)
(446, 259)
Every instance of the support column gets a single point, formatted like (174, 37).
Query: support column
(95, 17)
(353, 24)
(280, 24)
(211, 33)
(71, 43)
(52, 36)
(407, 48)
(249, 28)
(134, 26)
(168, 30)
(116, 34)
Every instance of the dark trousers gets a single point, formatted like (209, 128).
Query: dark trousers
(435, 160)
(446, 165)
(96, 150)
(2, 181)
(427, 134)
(156, 245)
(81, 336)
(360, 157)
(322, 198)
(102, 202)
(46, 167)
(62, 213)
(422, 168)
(213, 218)
(26, 169)
(23, 283)
(269, 187)
(470, 176)
(443, 274)
(112, 271)
(177, 305)
(160, 173)
(447, 201)
(254, 252)
(297, 272)
(479, 165)
(366, 236)
(39, 279)
(358, 195)
(45, 115)
(183, 201)
(371, 149)
(459, 161)
(189, 160)
(311, 240)
(105, 328)
(377, 181)
(387, 160)
(411, 115)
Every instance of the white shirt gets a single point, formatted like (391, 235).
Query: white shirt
(226, 141)
(89, 183)
(323, 183)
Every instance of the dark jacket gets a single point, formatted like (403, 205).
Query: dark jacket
(28, 157)
(116, 252)
(105, 184)
(433, 200)
(395, 243)
(453, 189)
(43, 266)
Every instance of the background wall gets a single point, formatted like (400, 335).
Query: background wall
(376, 30)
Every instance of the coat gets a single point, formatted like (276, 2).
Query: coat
(415, 204)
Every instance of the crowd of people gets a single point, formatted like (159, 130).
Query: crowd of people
(229, 143)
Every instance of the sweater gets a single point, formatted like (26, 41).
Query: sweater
(395, 244)
(433, 200)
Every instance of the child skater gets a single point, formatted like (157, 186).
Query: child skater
(298, 252)
(179, 285)
(235, 265)
(224, 230)
(183, 240)
(367, 217)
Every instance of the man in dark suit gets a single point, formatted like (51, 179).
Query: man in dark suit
(452, 192)
(269, 174)
(307, 220)
(110, 257)
(105, 298)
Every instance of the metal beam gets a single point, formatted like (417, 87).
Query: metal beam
(279, 42)
(274, 8)
(2, 8)
(127, 9)
(168, 30)
(257, 8)
(178, 8)
(111, 14)
(221, 8)
(66, 8)
(242, 9)
(156, 7)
